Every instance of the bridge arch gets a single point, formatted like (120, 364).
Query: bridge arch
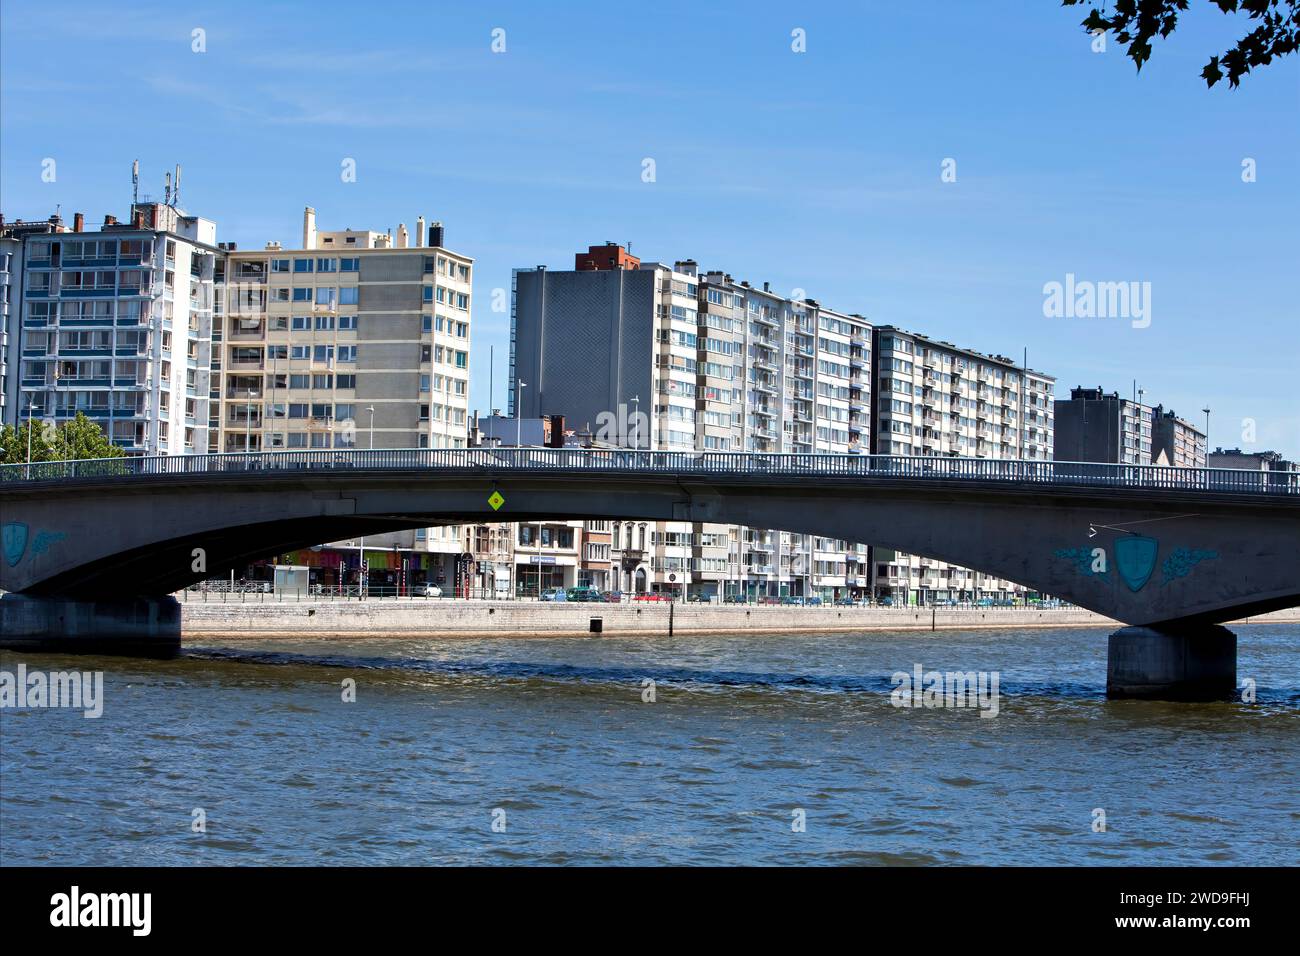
(1176, 546)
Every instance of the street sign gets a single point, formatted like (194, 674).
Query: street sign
(496, 501)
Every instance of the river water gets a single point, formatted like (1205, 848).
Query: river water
(754, 750)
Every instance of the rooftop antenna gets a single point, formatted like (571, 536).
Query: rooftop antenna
(176, 187)
(167, 189)
(135, 182)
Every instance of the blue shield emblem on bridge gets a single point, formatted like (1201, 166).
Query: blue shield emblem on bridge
(1135, 557)
(14, 536)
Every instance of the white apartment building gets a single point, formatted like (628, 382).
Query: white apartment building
(934, 398)
(117, 324)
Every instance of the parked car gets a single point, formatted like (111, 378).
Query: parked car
(584, 594)
(554, 594)
(814, 601)
(651, 597)
(845, 602)
(984, 602)
(429, 590)
(613, 597)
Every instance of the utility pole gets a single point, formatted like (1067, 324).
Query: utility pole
(519, 406)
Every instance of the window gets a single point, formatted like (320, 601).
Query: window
(279, 265)
(301, 323)
(424, 383)
(301, 294)
(302, 265)
(345, 381)
(348, 296)
(298, 410)
(349, 265)
(324, 322)
(428, 323)
(347, 353)
(347, 322)
(323, 353)
(327, 265)
(302, 352)
(328, 298)
(299, 381)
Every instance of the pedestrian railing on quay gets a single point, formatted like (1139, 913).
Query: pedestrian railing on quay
(502, 461)
(264, 592)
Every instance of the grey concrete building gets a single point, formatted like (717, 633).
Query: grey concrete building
(1095, 426)
(667, 357)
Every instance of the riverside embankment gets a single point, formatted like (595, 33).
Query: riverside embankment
(260, 616)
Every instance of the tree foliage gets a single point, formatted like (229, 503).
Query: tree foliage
(78, 440)
(1136, 22)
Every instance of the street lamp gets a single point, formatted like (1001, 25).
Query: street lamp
(519, 407)
(31, 411)
(1206, 409)
(371, 410)
(636, 419)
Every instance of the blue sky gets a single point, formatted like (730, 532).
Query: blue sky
(818, 170)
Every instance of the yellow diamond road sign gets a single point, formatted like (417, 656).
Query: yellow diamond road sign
(496, 501)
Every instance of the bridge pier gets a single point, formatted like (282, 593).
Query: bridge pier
(139, 627)
(1190, 663)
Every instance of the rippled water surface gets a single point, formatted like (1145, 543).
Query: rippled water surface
(744, 731)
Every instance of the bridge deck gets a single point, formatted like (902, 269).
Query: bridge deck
(529, 461)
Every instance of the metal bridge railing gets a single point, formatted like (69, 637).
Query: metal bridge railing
(498, 461)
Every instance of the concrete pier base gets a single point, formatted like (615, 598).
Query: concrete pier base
(1197, 662)
(139, 627)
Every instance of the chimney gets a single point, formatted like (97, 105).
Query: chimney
(402, 235)
(78, 222)
(108, 220)
(419, 232)
(435, 235)
(137, 219)
(309, 228)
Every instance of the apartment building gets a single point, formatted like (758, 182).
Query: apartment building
(1175, 441)
(652, 355)
(934, 398)
(1094, 426)
(355, 339)
(1279, 471)
(1269, 461)
(116, 323)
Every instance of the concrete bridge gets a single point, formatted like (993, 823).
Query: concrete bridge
(92, 547)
